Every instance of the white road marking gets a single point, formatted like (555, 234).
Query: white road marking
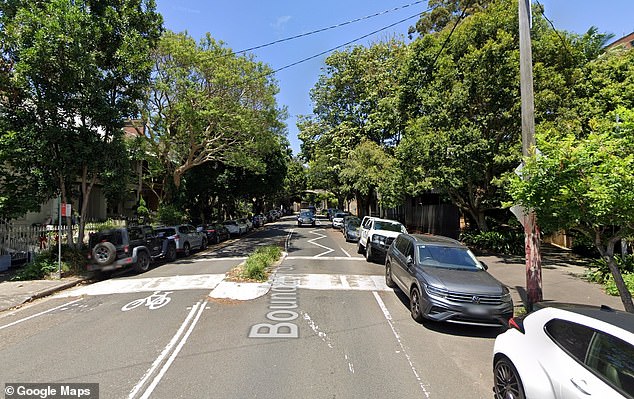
(388, 317)
(38, 314)
(328, 250)
(324, 258)
(288, 240)
(169, 362)
(202, 258)
(345, 252)
(157, 362)
(350, 282)
(148, 284)
(313, 326)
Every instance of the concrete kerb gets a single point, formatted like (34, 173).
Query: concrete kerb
(18, 293)
(245, 291)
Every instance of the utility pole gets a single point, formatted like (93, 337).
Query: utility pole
(531, 229)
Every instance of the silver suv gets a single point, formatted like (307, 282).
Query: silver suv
(185, 236)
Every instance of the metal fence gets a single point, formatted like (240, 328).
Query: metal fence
(23, 242)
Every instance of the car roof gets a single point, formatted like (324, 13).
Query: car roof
(443, 241)
(603, 313)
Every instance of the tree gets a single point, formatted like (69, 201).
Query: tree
(585, 185)
(72, 72)
(206, 104)
(462, 104)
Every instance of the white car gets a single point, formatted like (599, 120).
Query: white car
(235, 227)
(337, 220)
(376, 235)
(186, 237)
(566, 351)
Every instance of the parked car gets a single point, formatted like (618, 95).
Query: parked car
(134, 246)
(566, 351)
(306, 217)
(215, 233)
(247, 222)
(235, 228)
(445, 281)
(259, 220)
(337, 220)
(332, 212)
(186, 237)
(350, 229)
(376, 235)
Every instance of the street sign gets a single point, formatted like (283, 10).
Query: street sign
(66, 210)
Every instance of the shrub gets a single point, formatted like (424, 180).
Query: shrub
(508, 242)
(256, 264)
(600, 272)
(45, 264)
(170, 215)
(610, 286)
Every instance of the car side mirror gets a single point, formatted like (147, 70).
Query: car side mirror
(410, 261)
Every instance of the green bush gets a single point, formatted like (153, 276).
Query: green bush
(46, 263)
(507, 242)
(170, 215)
(256, 264)
(610, 286)
(600, 272)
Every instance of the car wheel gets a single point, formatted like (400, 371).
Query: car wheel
(388, 275)
(359, 248)
(506, 380)
(218, 239)
(186, 249)
(203, 244)
(368, 253)
(104, 253)
(171, 253)
(142, 262)
(414, 305)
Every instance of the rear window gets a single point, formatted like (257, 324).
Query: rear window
(165, 232)
(229, 223)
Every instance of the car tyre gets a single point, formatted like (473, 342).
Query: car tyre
(217, 239)
(186, 249)
(142, 262)
(359, 248)
(203, 244)
(104, 253)
(415, 306)
(507, 383)
(388, 275)
(369, 256)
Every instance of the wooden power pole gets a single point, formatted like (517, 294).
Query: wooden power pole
(531, 229)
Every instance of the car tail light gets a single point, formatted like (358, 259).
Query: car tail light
(177, 237)
(517, 323)
(126, 249)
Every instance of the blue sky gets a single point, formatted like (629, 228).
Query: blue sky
(245, 24)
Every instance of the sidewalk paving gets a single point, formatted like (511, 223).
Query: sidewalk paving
(561, 279)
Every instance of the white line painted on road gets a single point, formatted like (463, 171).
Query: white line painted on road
(328, 250)
(336, 282)
(148, 284)
(157, 362)
(288, 240)
(345, 252)
(38, 314)
(388, 317)
(324, 258)
(202, 258)
(313, 326)
(169, 362)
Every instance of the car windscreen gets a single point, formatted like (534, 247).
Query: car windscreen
(165, 232)
(389, 226)
(354, 222)
(341, 215)
(306, 215)
(230, 223)
(447, 257)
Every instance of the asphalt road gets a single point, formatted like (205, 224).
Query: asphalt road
(328, 328)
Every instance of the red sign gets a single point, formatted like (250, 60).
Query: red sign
(66, 210)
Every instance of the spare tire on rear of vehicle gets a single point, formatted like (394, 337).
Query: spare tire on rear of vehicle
(104, 253)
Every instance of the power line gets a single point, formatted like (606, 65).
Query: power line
(342, 45)
(464, 11)
(329, 27)
(555, 29)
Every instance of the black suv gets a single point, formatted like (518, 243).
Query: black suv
(135, 246)
(445, 282)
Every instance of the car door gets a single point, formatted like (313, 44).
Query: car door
(399, 261)
(365, 229)
(567, 370)
(196, 238)
(152, 243)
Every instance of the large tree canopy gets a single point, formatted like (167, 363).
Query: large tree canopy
(207, 104)
(72, 72)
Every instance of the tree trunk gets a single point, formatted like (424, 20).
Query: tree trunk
(533, 260)
(624, 293)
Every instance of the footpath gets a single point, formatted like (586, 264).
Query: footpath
(562, 281)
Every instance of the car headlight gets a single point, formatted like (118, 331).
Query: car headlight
(506, 296)
(435, 291)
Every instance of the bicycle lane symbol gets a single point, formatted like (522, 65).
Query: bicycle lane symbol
(154, 301)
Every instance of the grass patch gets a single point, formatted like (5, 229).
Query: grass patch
(255, 268)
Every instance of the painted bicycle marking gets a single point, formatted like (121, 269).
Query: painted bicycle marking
(154, 301)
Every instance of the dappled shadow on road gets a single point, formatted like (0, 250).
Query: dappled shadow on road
(462, 330)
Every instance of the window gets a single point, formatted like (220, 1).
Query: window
(571, 337)
(135, 234)
(613, 359)
(401, 244)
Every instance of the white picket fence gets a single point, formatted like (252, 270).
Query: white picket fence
(23, 242)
